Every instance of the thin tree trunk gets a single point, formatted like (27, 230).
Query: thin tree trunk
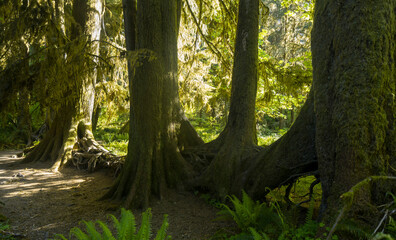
(24, 119)
(238, 138)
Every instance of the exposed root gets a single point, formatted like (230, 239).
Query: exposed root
(88, 154)
(311, 188)
(198, 157)
(75, 144)
(26, 151)
(287, 194)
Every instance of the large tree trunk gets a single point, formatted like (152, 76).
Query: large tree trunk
(238, 138)
(353, 54)
(154, 162)
(77, 107)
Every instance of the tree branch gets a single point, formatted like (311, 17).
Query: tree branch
(211, 46)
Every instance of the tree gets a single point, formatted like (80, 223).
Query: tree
(239, 135)
(158, 127)
(73, 117)
(353, 54)
(346, 129)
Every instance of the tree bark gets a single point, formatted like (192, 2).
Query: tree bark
(353, 54)
(24, 119)
(154, 162)
(238, 138)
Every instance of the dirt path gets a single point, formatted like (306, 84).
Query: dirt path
(40, 203)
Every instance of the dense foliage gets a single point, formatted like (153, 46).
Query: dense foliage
(35, 37)
(44, 64)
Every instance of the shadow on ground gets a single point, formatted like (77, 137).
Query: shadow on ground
(40, 203)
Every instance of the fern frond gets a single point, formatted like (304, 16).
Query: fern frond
(91, 230)
(116, 224)
(247, 202)
(161, 235)
(382, 236)
(60, 236)
(258, 236)
(80, 235)
(145, 227)
(107, 235)
(126, 227)
(350, 226)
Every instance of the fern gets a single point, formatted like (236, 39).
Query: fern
(245, 213)
(350, 226)
(391, 227)
(145, 227)
(91, 230)
(162, 232)
(79, 234)
(248, 214)
(60, 236)
(382, 236)
(126, 229)
(107, 235)
(258, 236)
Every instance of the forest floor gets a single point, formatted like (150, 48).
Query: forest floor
(40, 203)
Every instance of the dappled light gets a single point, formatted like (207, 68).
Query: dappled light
(276, 115)
(43, 203)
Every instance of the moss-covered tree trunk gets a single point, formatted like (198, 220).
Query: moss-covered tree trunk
(154, 162)
(75, 112)
(238, 138)
(353, 54)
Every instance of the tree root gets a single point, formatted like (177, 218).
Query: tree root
(91, 156)
(311, 188)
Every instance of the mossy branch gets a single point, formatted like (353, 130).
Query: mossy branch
(349, 196)
(211, 46)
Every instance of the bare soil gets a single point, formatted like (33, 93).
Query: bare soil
(40, 203)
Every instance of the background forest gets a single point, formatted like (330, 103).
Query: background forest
(206, 46)
(235, 101)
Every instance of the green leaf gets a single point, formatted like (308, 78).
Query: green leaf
(161, 235)
(145, 227)
(91, 230)
(80, 235)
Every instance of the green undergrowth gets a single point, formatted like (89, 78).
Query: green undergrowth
(276, 220)
(11, 136)
(209, 128)
(268, 220)
(110, 138)
(299, 192)
(266, 136)
(125, 229)
(108, 133)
